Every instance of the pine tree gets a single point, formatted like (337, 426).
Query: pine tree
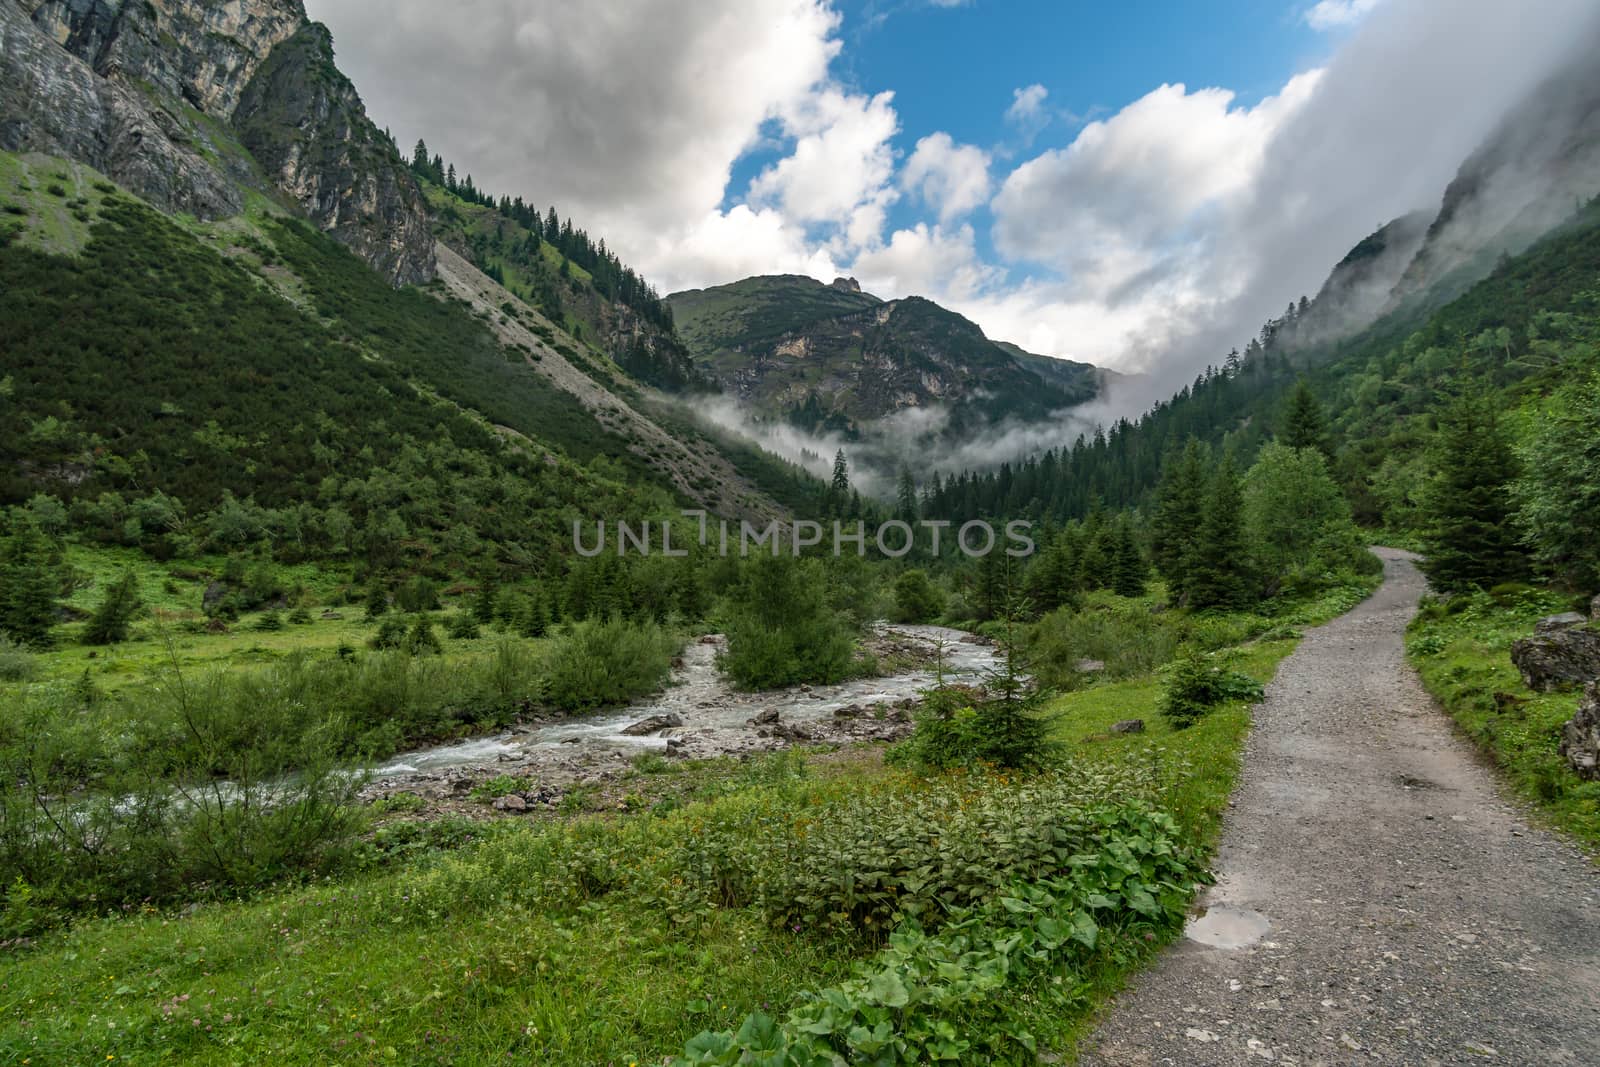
(1470, 540)
(1304, 425)
(1218, 568)
(839, 486)
(1180, 503)
(111, 620)
(1128, 571)
(906, 497)
(28, 587)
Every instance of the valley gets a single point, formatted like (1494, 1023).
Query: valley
(326, 737)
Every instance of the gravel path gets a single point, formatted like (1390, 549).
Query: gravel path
(1378, 900)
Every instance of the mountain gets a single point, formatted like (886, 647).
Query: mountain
(834, 357)
(315, 347)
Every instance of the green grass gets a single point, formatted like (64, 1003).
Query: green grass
(1464, 659)
(50, 223)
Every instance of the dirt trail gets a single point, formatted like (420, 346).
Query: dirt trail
(1378, 900)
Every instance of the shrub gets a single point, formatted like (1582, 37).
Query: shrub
(781, 630)
(17, 664)
(420, 640)
(112, 620)
(594, 663)
(916, 599)
(1197, 682)
(270, 622)
(418, 594)
(463, 626)
(1128, 638)
(391, 635)
(300, 617)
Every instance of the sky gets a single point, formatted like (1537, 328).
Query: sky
(1137, 184)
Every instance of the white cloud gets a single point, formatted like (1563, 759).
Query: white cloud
(1027, 104)
(951, 178)
(841, 164)
(926, 261)
(1163, 235)
(1335, 14)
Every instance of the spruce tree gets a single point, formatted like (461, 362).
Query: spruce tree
(28, 586)
(906, 497)
(1469, 539)
(111, 620)
(1128, 571)
(1218, 569)
(1304, 425)
(839, 486)
(1180, 503)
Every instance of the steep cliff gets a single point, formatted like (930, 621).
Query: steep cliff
(187, 102)
(304, 122)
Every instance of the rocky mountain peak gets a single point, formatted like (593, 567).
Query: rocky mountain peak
(846, 285)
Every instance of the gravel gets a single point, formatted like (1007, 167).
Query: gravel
(1412, 915)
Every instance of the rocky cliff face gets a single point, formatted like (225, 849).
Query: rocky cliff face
(171, 97)
(305, 123)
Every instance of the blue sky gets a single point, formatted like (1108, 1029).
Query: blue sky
(1124, 220)
(956, 67)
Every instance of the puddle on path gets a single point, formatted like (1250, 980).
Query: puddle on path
(1227, 926)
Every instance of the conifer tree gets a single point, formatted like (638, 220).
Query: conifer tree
(111, 620)
(1304, 425)
(906, 497)
(28, 586)
(1218, 569)
(1128, 571)
(1175, 526)
(1470, 540)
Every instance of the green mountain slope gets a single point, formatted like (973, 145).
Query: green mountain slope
(831, 356)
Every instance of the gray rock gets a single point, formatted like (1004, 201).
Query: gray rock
(510, 802)
(1580, 737)
(1594, 608)
(653, 724)
(1089, 666)
(1559, 660)
(766, 718)
(1128, 726)
(1556, 623)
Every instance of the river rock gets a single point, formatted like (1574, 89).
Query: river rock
(1552, 661)
(1556, 623)
(653, 724)
(766, 718)
(1128, 726)
(849, 711)
(1580, 737)
(510, 802)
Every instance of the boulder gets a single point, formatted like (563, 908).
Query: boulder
(1556, 623)
(1089, 666)
(1559, 660)
(1128, 726)
(653, 724)
(510, 802)
(1580, 737)
(1594, 608)
(766, 718)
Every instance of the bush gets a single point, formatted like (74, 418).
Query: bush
(916, 599)
(17, 664)
(112, 620)
(1197, 682)
(420, 640)
(418, 594)
(391, 635)
(463, 626)
(593, 664)
(781, 630)
(1128, 638)
(270, 622)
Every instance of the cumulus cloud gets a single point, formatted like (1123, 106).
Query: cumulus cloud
(628, 114)
(953, 179)
(1334, 14)
(1158, 238)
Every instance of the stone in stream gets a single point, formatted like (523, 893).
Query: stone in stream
(1552, 661)
(1128, 726)
(653, 724)
(1555, 623)
(765, 718)
(1580, 737)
